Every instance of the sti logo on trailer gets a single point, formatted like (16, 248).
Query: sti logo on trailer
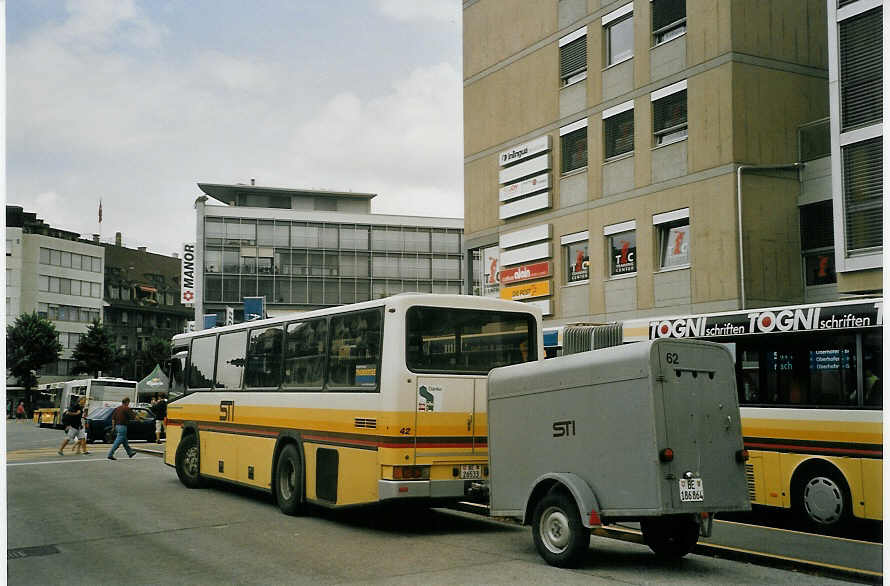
(187, 275)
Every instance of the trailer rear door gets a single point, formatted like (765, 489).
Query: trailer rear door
(701, 424)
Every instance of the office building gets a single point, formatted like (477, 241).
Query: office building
(635, 158)
(303, 249)
(142, 301)
(855, 76)
(57, 274)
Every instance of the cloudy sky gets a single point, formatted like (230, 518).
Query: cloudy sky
(135, 101)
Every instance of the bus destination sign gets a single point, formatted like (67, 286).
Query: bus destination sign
(763, 321)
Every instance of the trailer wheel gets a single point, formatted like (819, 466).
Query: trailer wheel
(559, 536)
(670, 537)
(188, 462)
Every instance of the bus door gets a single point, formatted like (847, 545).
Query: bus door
(445, 416)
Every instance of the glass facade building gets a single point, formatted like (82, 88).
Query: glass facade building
(300, 259)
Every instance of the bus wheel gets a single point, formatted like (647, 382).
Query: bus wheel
(670, 537)
(109, 436)
(822, 499)
(289, 481)
(559, 536)
(188, 462)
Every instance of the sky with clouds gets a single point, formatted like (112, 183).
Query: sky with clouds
(134, 102)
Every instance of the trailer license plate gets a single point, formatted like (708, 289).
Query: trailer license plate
(691, 490)
(471, 471)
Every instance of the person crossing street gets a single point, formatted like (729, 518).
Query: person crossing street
(119, 418)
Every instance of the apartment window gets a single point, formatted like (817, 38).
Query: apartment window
(618, 129)
(618, 31)
(668, 20)
(669, 113)
(573, 57)
(622, 247)
(817, 243)
(859, 42)
(672, 236)
(573, 140)
(863, 180)
(44, 253)
(575, 256)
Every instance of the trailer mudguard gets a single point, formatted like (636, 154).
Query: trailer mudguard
(579, 489)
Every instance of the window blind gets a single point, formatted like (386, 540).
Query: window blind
(862, 194)
(860, 69)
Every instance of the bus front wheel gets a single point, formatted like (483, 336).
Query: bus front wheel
(188, 462)
(289, 481)
(822, 499)
(560, 537)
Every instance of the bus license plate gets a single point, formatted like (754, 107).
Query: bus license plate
(691, 490)
(471, 471)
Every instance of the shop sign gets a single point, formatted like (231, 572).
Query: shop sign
(786, 319)
(525, 272)
(526, 291)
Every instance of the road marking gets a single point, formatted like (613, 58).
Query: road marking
(604, 532)
(72, 461)
(795, 560)
(798, 532)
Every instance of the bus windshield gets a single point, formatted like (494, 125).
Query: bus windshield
(467, 341)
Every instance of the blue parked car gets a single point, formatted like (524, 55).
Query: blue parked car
(141, 427)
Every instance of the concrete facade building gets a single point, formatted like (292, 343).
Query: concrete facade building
(142, 301)
(304, 249)
(641, 158)
(58, 275)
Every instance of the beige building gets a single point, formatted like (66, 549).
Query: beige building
(607, 146)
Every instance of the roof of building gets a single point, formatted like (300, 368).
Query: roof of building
(17, 217)
(226, 193)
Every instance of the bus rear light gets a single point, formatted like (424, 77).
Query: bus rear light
(741, 456)
(411, 472)
(666, 455)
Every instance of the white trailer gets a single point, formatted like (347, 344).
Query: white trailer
(644, 432)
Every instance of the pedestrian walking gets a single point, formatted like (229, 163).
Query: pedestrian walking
(81, 446)
(160, 412)
(119, 418)
(71, 419)
(20, 412)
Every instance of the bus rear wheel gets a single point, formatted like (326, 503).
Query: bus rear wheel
(188, 462)
(289, 481)
(670, 537)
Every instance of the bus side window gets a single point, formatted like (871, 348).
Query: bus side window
(872, 388)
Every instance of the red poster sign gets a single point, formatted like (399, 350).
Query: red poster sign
(525, 272)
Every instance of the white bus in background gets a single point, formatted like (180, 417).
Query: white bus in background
(54, 398)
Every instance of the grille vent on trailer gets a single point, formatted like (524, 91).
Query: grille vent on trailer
(366, 423)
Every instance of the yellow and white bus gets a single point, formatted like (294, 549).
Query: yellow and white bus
(92, 393)
(809, 383)
(350, 405)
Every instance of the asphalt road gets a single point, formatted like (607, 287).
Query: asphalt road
(88, 520)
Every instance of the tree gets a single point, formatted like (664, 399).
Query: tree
(155, 351)
(95, 352)
(31, 342)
